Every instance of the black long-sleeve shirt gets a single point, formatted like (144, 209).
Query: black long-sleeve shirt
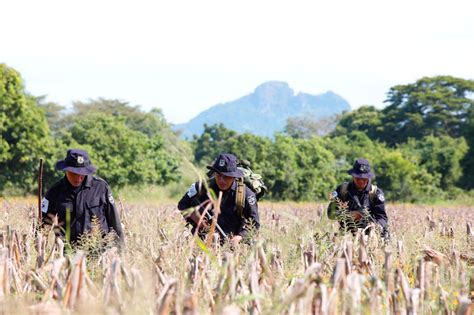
(78, 205)
(229, 219)
(375, 207)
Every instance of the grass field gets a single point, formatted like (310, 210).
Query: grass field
(300, 264)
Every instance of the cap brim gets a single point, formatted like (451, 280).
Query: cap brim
(238, 173)
(360, 175)
(86, 170)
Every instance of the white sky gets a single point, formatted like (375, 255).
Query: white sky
(185, 56)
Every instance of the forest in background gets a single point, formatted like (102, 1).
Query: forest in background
(421, 145)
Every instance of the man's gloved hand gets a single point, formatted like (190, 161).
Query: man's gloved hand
(195, 218)
(356, 215)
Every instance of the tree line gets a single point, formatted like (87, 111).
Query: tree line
(421, 144)
(129, 146)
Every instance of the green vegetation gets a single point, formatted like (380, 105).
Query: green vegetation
(421, 145)
(24, 132)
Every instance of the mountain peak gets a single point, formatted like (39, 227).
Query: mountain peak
(272, 93)
(273, 87)
(266, 110)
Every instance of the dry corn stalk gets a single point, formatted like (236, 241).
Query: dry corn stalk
(75, 285)
(166, 297)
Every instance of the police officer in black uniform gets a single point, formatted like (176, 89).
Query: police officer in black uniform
(78, 197)
(365, 201)
(233, 224)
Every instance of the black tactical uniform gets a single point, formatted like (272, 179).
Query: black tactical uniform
(232, 221)
(79, 197)
(370, 201)
(229, 219)
(92, 198)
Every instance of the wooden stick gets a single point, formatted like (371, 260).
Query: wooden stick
(40, 190)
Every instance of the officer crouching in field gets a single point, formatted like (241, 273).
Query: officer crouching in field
(237, 216)
(365, 201)
(79, 197)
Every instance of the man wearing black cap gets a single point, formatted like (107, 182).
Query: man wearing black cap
(233, 221)
(365, 201)
(78, 197)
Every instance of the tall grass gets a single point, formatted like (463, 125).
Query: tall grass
(300, 264)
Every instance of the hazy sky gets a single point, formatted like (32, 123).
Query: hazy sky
(185, 56)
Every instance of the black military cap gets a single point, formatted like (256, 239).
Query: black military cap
(76, 161)
(361, 169)
(226, 164)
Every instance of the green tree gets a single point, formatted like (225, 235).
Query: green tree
(123, 156)
(300, 169)
(211, 142)
(149, 123)
(467, 180)
(349, 147)
(366, 119)
(54, 113)
(440, 156)
(403, 180)
(24, 133)
(430, 106)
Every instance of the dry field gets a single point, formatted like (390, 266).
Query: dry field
(300, 264)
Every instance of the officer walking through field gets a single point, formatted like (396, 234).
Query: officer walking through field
(365, 202)
(79, 197)
(238, 208)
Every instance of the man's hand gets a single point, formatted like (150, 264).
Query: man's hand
(195, 217)
(236, 240)
(356, 215)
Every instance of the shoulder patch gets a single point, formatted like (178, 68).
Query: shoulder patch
(252, 200)
(380, 196)
(334, 194)
(111, 198)
(44, 205)
(192, 191)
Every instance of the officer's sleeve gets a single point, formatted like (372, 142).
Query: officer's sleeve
(48, 210)
(378, 209)
(190, 198)
(251, 218)
(112, 215)
(332, 207)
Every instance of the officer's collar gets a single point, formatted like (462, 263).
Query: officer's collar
(88, 181)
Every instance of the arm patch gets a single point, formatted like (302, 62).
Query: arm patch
(44, 205)
(252, 200)
(111, 198)
(380, 196)
(192, 191)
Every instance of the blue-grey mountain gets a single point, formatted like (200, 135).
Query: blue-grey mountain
(266, 110)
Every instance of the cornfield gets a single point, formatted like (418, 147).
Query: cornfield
(300, 264)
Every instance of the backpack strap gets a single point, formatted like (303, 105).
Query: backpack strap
(240, 197)
(372, 193)
(344, 190)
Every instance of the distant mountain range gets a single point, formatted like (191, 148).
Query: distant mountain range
(266, 110)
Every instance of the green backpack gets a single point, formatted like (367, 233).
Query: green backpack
(252, 180)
